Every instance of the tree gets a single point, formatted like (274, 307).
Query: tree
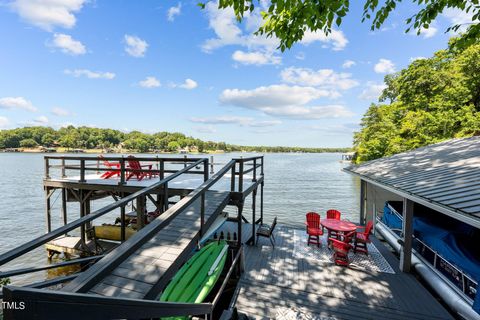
(430, 101)
(173, 146)
(288, 20)
(28, 143)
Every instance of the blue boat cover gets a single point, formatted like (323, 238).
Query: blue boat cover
(392, 220)
(451, 239)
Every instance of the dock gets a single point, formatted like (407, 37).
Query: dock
(288, 281)
(278, 285)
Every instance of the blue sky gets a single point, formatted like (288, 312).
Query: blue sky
(170, 66)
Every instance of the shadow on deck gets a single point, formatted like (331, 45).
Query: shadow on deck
(278, 284)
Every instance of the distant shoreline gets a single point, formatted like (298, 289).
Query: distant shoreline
(212, 152)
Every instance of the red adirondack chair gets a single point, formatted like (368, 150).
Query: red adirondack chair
(314, 229)
(340, 252)
(134, 169)
(114, 166)
(333, 214)
(363, 238)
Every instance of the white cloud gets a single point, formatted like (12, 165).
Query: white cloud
(189, 84)
(61, 112)
(429, 32)
(16, 103)
(174, 11)
(326, 78)
(384, 66)
(256, 58)
(372, 91)
(336, 39)
(458, 17)
(280, 95)
(228, 32)
(150, 82)
(242, 121)
(90, 74)
(348, 64)
(67, 44)
(300, 56)
(135, 46)
(206, 129)
(4, 122)
(48, 14)
(42, 120)
(284, 100)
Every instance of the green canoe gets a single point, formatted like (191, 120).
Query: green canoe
(194, 281)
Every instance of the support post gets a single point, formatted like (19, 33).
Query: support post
(140, 212)
(165, 197)
(363, 193)
(261, 203)
(122, 219)
(82, 214)
(63, 168)
(254, 206)
(64, 206)
(202, 200)
(82, 170)
(122, 171)
(47, 168)
(406, 250)
(239, 221)
(211, 165)
(240, 177)
(48, 209)
(87, 212)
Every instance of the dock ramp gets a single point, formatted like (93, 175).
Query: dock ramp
(142, 266)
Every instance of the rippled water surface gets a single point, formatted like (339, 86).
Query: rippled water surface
(294, 185)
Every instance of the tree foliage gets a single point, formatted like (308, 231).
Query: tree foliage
(288, 20)
(431, 100)
(96, 138)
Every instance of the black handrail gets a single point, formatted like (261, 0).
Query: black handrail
(49, 304)
(27, 247)
(18, 272)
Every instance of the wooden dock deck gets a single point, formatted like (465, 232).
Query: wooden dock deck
(157, 260)
(277, 284)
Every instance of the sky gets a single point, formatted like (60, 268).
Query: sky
(171, 66)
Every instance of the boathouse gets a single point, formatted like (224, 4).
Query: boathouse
(426, 203)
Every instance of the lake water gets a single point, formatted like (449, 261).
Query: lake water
(294, 185)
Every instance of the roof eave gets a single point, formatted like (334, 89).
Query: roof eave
(456, 214)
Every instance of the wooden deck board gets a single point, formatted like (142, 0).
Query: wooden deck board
(274, 278)
(146, 266)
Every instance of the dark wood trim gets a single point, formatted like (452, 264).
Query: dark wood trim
(47, 304)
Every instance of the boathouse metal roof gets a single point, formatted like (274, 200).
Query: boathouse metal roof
(444, 176)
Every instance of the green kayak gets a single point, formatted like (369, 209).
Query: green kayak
(194, 281)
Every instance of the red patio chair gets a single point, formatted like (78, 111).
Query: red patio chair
(314, 229)
(340, 252)
(363, 238)
(135, 169)
(115, 166)
(333, 214)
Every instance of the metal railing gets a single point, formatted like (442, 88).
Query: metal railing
(161, 185)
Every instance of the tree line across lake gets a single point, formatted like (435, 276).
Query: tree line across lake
(114, 140)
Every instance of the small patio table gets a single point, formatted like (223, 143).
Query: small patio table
(339, 226)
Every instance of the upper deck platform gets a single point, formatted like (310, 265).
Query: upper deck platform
(119, 174)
